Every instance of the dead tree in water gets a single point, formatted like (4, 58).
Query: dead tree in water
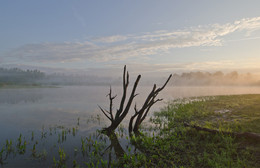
(123, 110)
(143, 111)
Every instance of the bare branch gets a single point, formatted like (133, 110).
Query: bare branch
(130, 127)
(159, 89)
(127, 78)
(158, 100)
(149, 96)
(149, 102)
(125, 85)
(113, 97)
(136, 111)
(122, 110)
(111, 103)
(130, 98)
(149, 106)
(105, 113)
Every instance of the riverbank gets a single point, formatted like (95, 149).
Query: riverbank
(176, 145)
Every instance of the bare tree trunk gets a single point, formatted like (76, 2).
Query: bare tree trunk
(141, 114)
(122, 111)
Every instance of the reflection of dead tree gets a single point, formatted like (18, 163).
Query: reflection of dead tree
(123, 110)
(119, 151)
(142, 112)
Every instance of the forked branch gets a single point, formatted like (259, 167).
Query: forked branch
(124, 107)
(123, 110)
(141, 114)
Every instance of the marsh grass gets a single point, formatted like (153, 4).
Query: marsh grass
(192, 148)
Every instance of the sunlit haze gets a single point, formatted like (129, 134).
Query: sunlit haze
(152, 37)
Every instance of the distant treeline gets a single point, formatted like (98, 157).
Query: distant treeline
(19, 76)
(216, 78)
(16, 76)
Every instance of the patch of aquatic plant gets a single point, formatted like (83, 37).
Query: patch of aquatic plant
(74, 131)
(9, 146)
(43, 145)
(61, 161)
(65, 147)
(32, 137)
(21, 145)
(97, 119)
(38, 155)
(1, 156)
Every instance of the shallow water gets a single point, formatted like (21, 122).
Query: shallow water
(30, 109)
(41, 110)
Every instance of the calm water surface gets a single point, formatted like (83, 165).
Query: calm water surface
(40, 109)
(30, 109)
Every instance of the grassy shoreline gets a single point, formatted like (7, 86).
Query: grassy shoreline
(187, 147)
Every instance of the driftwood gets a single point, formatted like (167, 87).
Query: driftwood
(235, 134)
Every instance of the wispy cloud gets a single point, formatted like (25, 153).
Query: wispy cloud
(123, 47)
(110, 39)
(162, 70)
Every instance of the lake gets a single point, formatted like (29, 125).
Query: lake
(39, 109)
(33, 108)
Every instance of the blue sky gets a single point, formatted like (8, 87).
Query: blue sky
(148, 35)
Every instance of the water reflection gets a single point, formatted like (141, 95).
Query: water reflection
(15, 96)
(38, 148)
(119, 151)
(32, 108)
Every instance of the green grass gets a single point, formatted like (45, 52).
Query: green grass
(242, 112)
(176, 145)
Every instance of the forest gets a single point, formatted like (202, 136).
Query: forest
(16, 76)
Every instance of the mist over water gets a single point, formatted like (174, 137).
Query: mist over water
(30, 109)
